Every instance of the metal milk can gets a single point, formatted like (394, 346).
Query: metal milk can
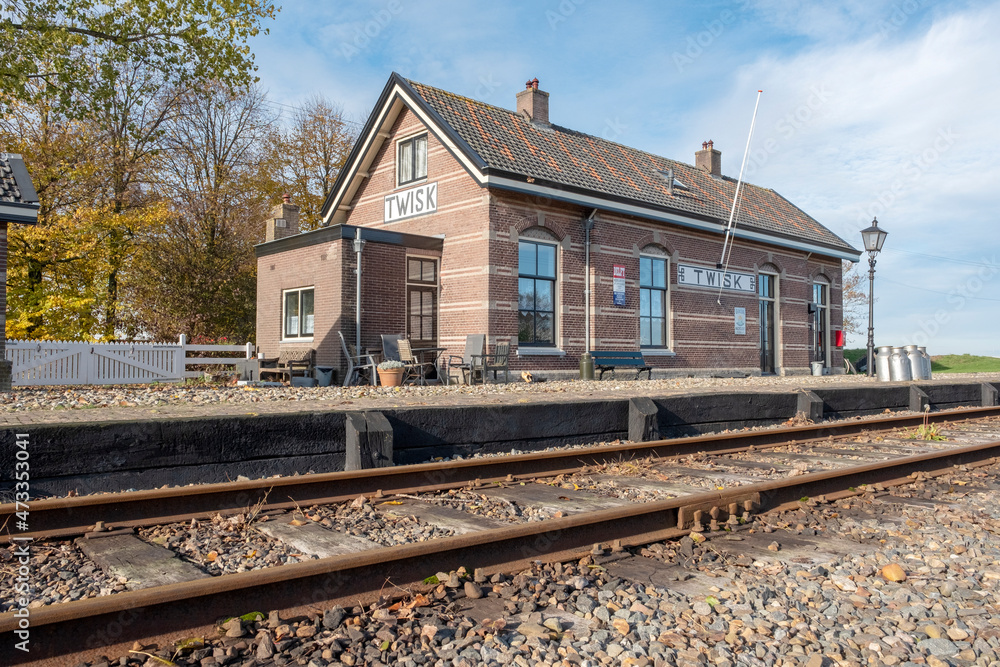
(899, 366)
(916, 362)
(882, 363)
(927, 362)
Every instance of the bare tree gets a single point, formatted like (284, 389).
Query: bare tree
(855, 298)
(199, 275)
(313, 149)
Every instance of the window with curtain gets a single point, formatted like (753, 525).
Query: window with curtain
(298, 315)
(412, 160)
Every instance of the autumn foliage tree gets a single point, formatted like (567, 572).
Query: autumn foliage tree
(315, 146)
(197, 274)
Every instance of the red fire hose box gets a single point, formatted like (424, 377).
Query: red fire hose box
(838, 338)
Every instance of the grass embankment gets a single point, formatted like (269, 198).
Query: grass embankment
(964, 363)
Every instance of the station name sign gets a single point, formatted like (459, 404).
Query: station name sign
(699, 276)
(420, 200)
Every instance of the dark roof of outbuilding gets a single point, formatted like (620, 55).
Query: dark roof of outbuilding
(508, 143)
(15, 184)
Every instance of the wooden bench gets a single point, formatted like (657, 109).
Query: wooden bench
(289, 364)
(609, 361)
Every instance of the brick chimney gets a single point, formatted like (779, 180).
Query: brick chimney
(533, 103)
(708, 159)
(284, 220)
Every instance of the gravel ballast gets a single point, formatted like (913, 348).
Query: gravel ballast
(919, 587)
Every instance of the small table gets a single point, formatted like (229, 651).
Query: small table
(419, 352)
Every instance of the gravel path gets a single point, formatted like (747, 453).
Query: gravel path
(159, 396)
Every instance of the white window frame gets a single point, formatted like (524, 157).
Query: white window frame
(299, 337)
(542, 348)
(411, 139)
(825, 316)
(776, 300)
(668, 320)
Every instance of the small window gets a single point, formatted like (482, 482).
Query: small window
(298, 314)
(536, 293)
(652, 302)
(421, 271)
(412, 160)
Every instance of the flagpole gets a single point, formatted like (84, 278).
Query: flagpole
(723, 260)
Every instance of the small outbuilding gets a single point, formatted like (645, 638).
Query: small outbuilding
(454, 217)
(18, 205)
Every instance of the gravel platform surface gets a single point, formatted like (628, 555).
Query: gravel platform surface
(25, 405)
(918, 583)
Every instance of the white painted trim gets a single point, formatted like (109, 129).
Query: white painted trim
(540, 352)
(647, 352)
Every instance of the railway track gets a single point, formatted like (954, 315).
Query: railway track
(495, 514)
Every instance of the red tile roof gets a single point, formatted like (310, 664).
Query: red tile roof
(509, 143)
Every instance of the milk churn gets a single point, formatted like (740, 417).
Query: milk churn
(927, 362)
(916, 362)
(899, 366)
(882, 363)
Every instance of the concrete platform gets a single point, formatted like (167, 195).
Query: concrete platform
(118, 448)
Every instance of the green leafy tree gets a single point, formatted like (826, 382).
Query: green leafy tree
(70, 51)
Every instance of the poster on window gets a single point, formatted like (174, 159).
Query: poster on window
(618, 285)
(740, 317)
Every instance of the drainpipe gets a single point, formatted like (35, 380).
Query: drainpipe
(588, 224)
(586, 363)
(359, 244)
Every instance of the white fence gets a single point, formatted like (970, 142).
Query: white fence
(45, 362)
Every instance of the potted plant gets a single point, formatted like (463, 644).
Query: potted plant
(390, 373)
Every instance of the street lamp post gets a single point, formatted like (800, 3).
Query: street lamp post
(873, 238)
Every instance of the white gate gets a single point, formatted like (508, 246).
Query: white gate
(37, 363)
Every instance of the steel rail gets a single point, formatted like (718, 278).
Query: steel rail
(96, 626)
(67, 517)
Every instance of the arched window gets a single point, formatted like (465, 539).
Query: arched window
(654, 302)
(537, 254)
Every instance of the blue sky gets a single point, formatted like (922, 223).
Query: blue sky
(873, 107)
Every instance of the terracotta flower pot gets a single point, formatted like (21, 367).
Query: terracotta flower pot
(392, 377)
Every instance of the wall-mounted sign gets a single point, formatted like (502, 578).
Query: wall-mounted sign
(618, 285)
(699, 276)
(740, 319)
(420, 200)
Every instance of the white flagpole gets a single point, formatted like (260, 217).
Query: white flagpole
(723, 260)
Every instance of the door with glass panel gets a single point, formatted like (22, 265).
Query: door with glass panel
(766, 294)
(820, 322)
(421, 301)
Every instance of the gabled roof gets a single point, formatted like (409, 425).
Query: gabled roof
(502, 149)
(18, 199)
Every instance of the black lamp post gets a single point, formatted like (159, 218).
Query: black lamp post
(873, 238)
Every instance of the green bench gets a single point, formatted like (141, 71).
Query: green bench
(609, 361)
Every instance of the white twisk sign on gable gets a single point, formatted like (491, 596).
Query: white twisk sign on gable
(699, 276)
(420, 200)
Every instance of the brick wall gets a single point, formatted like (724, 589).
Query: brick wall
(700, 330)
(461, 216)
(478, 276)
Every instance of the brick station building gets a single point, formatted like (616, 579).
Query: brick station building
(475, 219)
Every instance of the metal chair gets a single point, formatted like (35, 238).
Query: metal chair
(413, 370)
(468, 364)
(357, 365)
(390, 346)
